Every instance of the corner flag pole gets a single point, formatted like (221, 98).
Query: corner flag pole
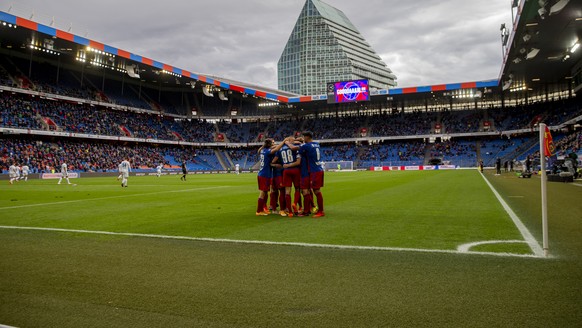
(543, 148)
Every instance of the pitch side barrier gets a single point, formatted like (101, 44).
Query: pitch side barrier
(414, 168)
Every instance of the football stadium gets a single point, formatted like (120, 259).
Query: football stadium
(129, 190)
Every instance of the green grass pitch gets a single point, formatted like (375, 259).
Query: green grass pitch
(416, 277)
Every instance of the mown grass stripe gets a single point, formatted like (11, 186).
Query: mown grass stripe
(109, 197)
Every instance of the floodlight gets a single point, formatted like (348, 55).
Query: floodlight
(558, 6)
(206, 91)
(532, 53)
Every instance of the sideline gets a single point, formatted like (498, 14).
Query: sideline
(529, 238)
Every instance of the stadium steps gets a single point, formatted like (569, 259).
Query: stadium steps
(15, 73)
(255, 167)
(220, 158)
(522, 149)
(209, 161)
(216, 128)
(87, 82)
(361, 153)
(229, 160)
(198, 165)
(244, 162)
(427, 153)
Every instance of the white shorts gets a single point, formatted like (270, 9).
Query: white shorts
(125, 175)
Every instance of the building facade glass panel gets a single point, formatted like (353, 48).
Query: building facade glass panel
(325, 46)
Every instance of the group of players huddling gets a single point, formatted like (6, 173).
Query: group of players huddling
(294, 162)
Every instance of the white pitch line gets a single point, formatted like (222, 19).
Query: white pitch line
(529, 238)
(266, 242)
(109, 197)
(6, 326)
(466, 247)
(577, 184)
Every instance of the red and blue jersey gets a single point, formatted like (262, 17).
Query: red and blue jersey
(277, 172)
(287, 155)
(312, 153)
(303, 167)
(265, 159)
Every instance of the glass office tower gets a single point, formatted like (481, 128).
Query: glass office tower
(326, 47)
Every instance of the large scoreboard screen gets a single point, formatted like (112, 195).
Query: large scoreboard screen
(347, 91)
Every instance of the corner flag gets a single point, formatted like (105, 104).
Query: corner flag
(546, 150)
(548, 143)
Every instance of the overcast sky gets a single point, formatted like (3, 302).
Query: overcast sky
(424, 42)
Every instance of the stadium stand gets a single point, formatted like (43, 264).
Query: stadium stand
(166, 114)
(46, 113)
(45, 156)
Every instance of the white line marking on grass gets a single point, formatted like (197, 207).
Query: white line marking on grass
(529, 238)
(109, 197)
(6, 326)
(464, 248)
(577, 184)
(266, 242)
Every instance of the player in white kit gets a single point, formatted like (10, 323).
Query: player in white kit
(13, 173)
(159, 169)
(124, 169)
(119, 169)
(237, 168)
(64, 173)
(25, 170)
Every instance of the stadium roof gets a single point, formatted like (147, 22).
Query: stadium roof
(539, 52)
(540, 49)
(68, 41)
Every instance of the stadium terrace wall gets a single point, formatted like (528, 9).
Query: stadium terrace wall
(30, 132)
(37, 176)
(414, 168)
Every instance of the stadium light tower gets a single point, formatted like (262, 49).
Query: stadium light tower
(504, 38)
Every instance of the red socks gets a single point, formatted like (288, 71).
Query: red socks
(307, 201)
(260, 205)
(288, 203)
(319, 201)
(274, 196)
(282, 205)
